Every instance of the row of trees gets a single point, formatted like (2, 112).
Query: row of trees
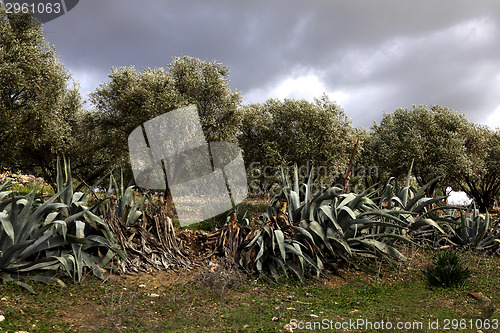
(43, 116)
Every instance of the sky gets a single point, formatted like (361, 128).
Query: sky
(371, 57)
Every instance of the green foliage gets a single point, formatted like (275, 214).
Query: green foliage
(41, 238)
(447, 270)
(36, 103)
(291, 132)
(475, 231)
(270, 252)
(440, 142)
(132, 97)
(411, 205)
(127, 203)
(322, 228)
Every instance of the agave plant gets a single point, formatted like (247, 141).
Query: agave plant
(270, 251)
(474, 230)
(39, 239)
(411, 205)
(128, 206)
(322, 228)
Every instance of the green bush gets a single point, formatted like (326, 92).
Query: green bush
(447, 270)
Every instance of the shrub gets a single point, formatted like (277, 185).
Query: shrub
(447, 270)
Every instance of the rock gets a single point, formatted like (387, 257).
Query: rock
(2, 318)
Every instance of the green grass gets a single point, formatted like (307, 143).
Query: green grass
(187, 303)
(26, 189)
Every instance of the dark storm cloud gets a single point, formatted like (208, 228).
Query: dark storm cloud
(372, 56)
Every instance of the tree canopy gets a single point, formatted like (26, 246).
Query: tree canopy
(132, 97)
(298, 132)
(439, 142)
(36, 105)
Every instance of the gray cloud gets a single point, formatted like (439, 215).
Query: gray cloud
(371, 56)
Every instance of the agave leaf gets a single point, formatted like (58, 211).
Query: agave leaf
(295, 248)
(421, 192)
(397, 200)
(99, 240)
(426, 202)
(51, 217)
(10, 254)
(482, 231)
(404, 196)
(328, 213)
(41, 244)
(258, 264)
(360, 198)
(281, 264)
(47, 280)
(274, 272)
(26, 286)
(7, 225)
(338, 240)
(317, 229)
(30, 221)
(425, 221)
(347, 198)
(77, 249)
(4, 194)
(299, 253)
(388, 235)
(296, 270)
(280, 239)
(67, 262)
(296, 178)
(257, 236)
(389, 214)
(382, 247)
(261, 244)
(89, 261)
(293, 200)
(108, 257)
(343, 218)
(45, 264)
(18, 219)
(5, 185)
(316, 201)
(320, 265)
(305, 233)
(307, 197)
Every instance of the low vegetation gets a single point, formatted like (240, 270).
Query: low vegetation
(317, 255)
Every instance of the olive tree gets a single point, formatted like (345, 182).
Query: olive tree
(439, 142)
(483, 182)
(132, 97)
(37, 105)
(290, 131)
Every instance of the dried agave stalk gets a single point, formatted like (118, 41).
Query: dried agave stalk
(150, 243)
(228, 240)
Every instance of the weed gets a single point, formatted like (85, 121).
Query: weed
(447, 270)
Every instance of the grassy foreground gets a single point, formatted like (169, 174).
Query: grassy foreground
(218, 300)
